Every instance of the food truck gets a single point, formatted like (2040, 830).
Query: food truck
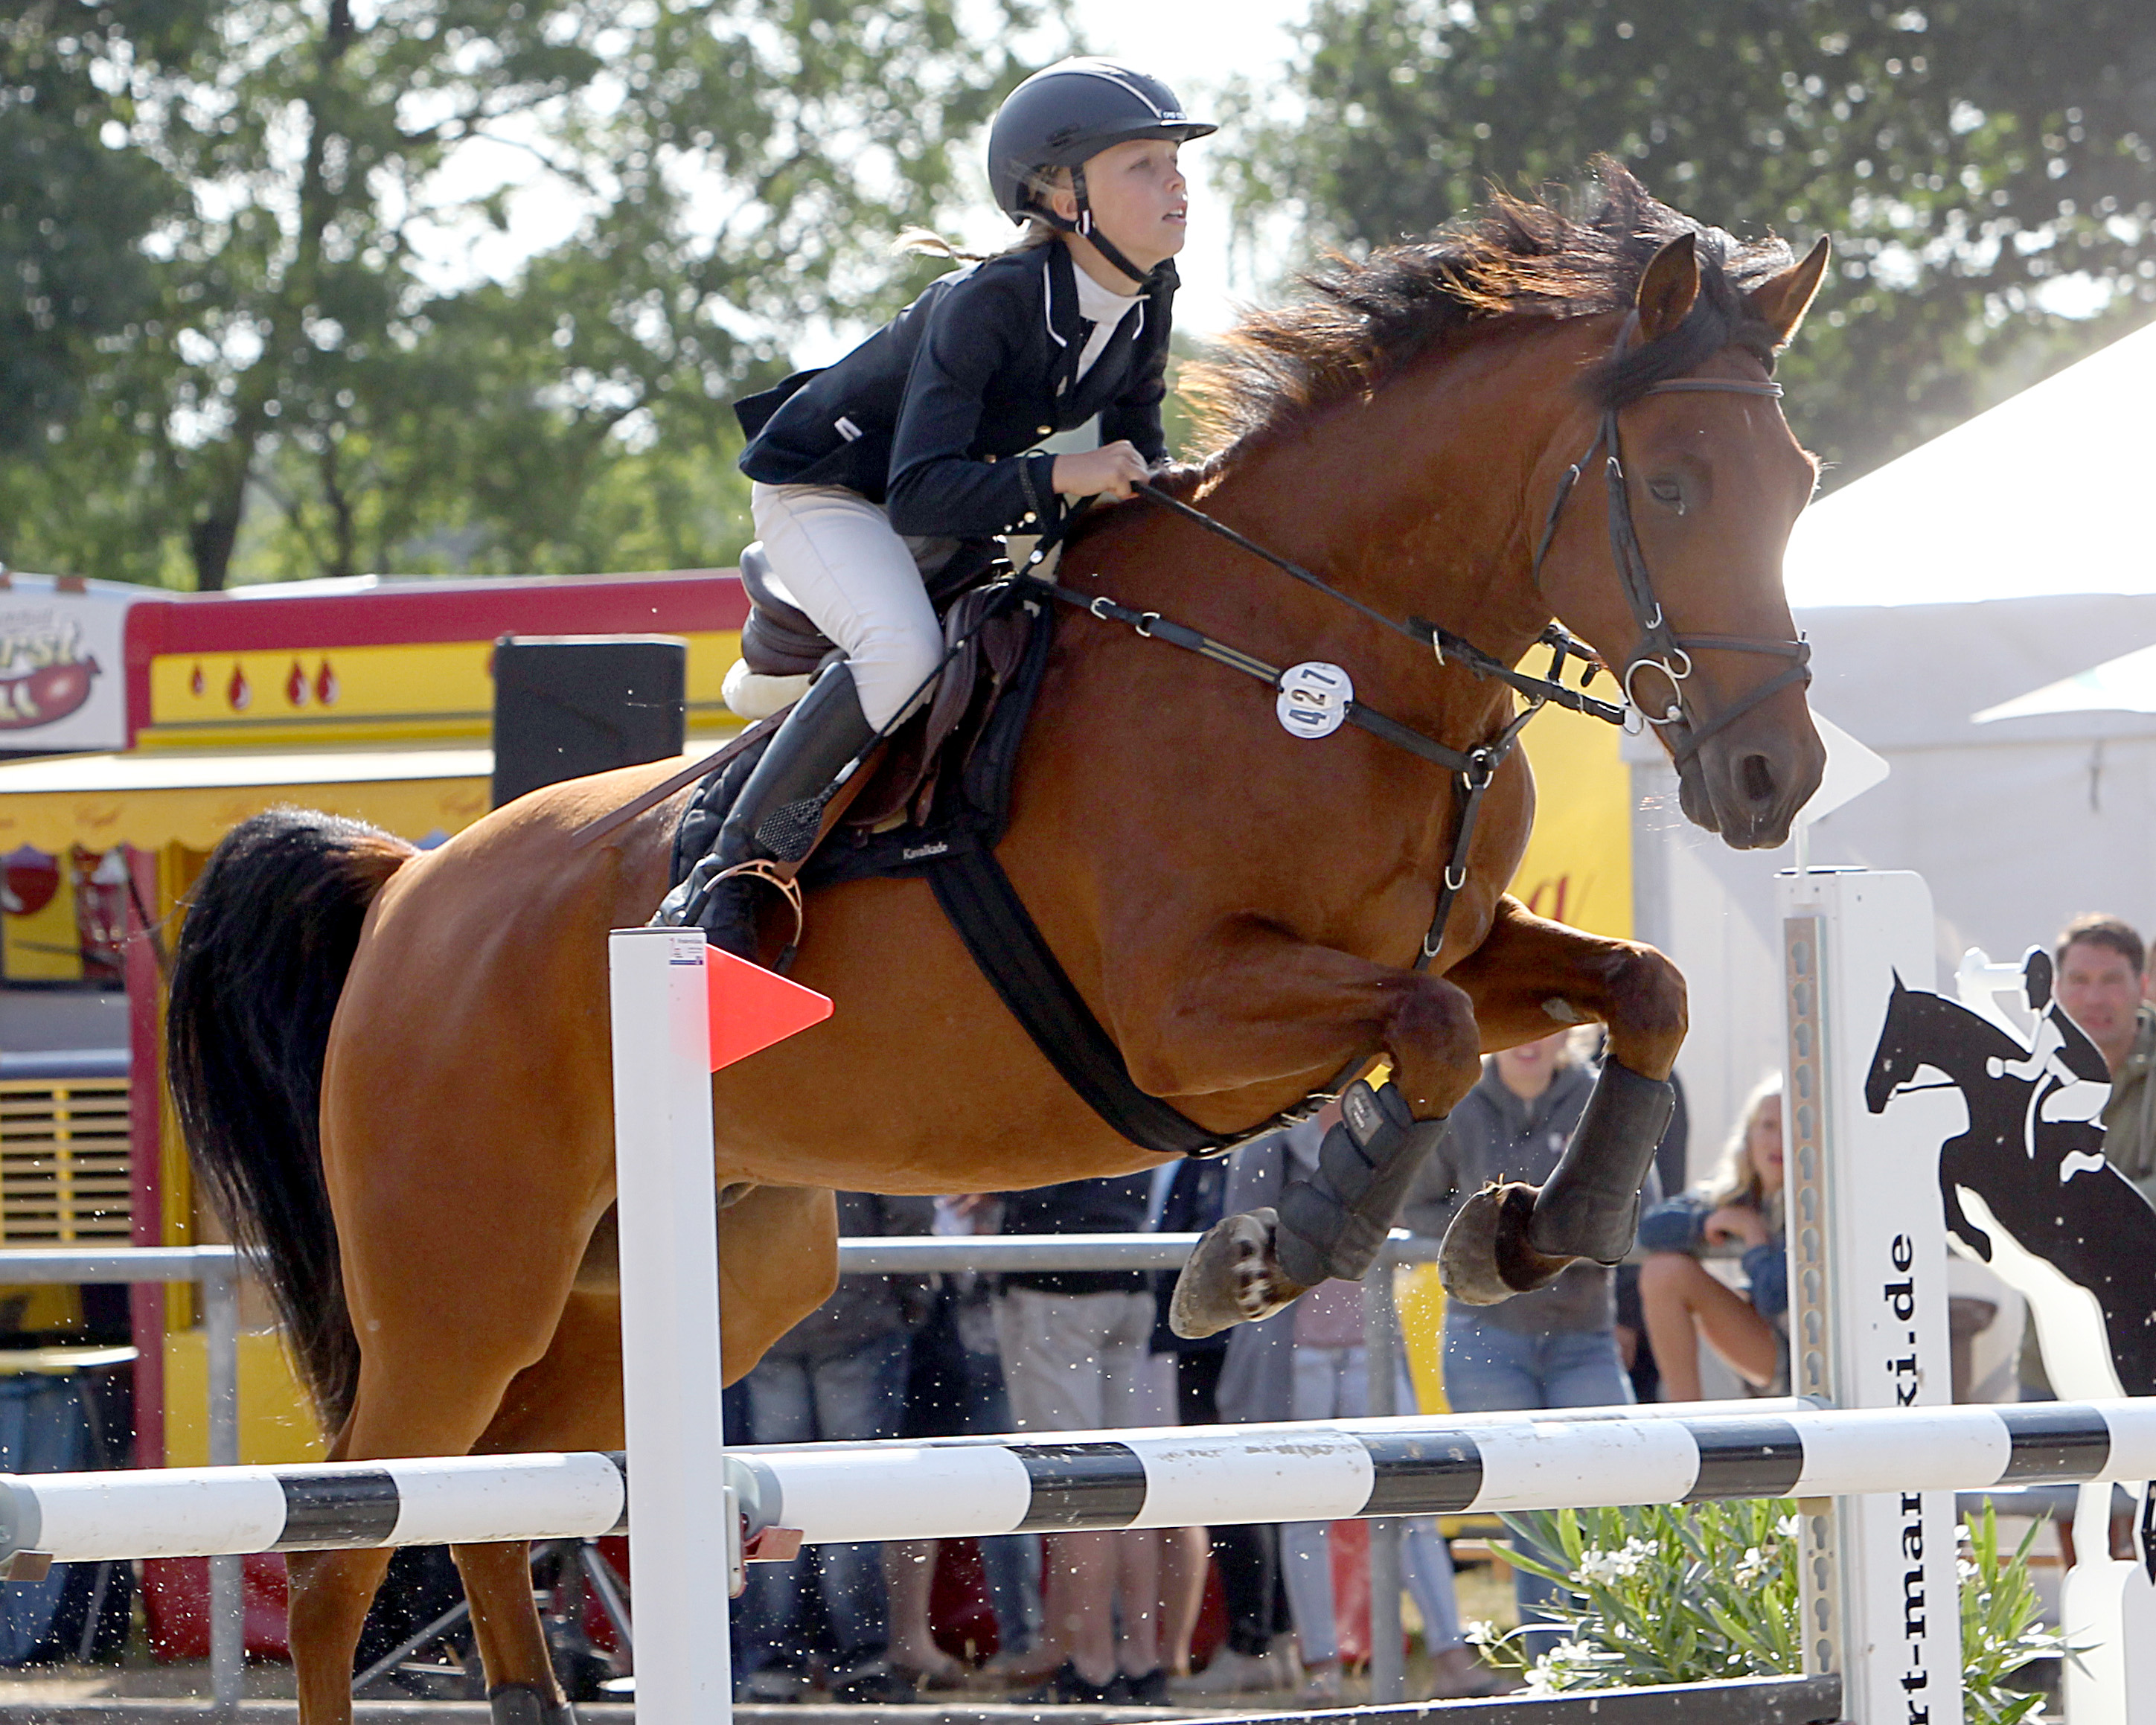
(143, 726)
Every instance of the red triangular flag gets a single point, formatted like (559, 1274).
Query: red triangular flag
(751, 1008)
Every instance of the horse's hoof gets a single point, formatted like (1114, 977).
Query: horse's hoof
(1231, 1277)
(1486, 1258)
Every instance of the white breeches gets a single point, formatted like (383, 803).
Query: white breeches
(834, 553)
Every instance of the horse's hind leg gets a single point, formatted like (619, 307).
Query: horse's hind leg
(428, 1414)
(1528, 978)
(570, 1400)
(779, 1245)
(331, 1591)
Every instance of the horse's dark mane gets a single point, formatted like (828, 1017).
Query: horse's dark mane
(1357, 322)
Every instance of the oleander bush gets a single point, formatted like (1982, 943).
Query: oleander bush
(1708, 1591)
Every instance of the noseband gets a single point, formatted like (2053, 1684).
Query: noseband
(1661, 648)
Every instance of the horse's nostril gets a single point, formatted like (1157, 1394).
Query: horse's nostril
(1755, 773)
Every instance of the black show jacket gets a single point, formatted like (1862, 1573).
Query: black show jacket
(924, 416)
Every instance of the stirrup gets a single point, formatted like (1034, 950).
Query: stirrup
(763, 869)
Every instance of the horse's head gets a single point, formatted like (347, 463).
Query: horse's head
(1666, 551)
(1897, 1060)
(1414, 428)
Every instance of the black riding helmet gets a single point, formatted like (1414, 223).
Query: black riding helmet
(1066, 114)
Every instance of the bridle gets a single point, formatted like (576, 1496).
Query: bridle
(1661, 648)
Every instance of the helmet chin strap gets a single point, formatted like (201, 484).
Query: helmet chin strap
(1084, 228)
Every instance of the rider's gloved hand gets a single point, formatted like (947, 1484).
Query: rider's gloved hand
(1108, 471)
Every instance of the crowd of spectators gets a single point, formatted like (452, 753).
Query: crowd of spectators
(1107, 1618)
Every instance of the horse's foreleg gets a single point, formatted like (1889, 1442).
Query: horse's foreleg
(1528, 977)
(1257, 1005)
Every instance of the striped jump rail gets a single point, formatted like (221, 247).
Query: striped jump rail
(1161, 1477)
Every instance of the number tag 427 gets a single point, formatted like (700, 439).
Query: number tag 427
(1313, 698)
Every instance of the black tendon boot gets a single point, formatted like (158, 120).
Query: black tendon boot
(777, 815)
(526, 1704)
(1328, 1226)
(1512, 1239)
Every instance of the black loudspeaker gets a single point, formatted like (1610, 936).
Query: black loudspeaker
(565, 706)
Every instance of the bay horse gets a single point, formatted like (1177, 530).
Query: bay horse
(392, 1066)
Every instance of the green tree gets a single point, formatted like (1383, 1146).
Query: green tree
(1966, 155)
(311, 393)
(75, 202)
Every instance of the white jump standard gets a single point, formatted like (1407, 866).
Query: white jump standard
(1201, 1475)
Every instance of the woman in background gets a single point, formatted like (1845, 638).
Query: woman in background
(1683, 1304)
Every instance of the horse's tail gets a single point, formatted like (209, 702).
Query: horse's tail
(271, 930)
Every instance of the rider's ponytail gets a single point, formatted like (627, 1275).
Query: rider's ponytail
(927, 243)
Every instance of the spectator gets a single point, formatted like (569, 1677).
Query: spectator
(838, 1374)
(1556, 1348)
(1308, 1362)
(2099, 978)
(1741, 1202)
(1253, 1657)
(1633, 1347)
(1075, 1359)
(955, 1388)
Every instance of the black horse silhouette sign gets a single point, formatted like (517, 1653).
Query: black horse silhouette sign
(2026, 1187)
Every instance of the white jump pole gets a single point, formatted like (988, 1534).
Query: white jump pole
(670, 1321)
(1165, 1476)
(1868, 1294)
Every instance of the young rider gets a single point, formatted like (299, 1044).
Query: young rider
(917, 435)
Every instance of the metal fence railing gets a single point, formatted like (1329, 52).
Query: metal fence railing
(215, 1270)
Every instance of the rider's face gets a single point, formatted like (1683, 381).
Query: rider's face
(2099, 990)
(1139, 199)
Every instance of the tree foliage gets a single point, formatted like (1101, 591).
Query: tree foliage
(1972, 159)
(313, 379)
(75, 205)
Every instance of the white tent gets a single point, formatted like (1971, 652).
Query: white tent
(2046, 493)
(2123, 685)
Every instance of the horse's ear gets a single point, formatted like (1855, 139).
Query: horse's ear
(1667, 287)
(1781, 300)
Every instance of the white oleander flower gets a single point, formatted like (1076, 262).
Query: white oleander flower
(1754, 1564)
(1596, 1566)
(1608, 1566)
(1480, 1632)
(1789, 1527)
(1966, 1568)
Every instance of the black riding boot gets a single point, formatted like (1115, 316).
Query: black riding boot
(778, 813)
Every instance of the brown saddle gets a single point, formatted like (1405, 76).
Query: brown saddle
(779, 640)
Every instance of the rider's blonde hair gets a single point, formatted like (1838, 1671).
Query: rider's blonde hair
(926, 242)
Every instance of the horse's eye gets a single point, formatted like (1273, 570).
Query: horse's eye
(1668, 492)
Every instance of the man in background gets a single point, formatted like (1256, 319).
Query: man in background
(2100, 978)
(1075, 1359)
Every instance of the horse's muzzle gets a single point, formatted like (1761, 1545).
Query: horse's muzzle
(1748, 783)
